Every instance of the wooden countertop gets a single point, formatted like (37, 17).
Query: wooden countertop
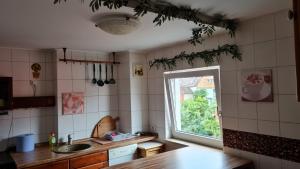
(43, 154)
(191, 157)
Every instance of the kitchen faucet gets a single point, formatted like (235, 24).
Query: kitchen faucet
(69, 139)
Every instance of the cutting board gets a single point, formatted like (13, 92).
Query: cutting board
(105, 125)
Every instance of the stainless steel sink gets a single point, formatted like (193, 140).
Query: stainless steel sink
(71, 148)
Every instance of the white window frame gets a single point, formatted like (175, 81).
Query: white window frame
(198, 72)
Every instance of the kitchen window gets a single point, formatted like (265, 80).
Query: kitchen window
(194, 105)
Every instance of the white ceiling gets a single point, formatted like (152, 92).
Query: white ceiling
(40, 24)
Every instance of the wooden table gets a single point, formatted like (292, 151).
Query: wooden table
(192, 157)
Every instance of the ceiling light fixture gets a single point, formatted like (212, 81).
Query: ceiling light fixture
(118, 24)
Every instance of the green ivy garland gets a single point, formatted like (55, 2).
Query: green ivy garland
(208, 56)
(167, 12)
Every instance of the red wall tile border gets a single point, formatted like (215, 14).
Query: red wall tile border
(279, 147)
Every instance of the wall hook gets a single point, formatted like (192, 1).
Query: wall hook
(65, 50)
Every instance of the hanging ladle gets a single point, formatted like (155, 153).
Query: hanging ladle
(106, 80)
(112, 80)
(100, 81)
(94, 80)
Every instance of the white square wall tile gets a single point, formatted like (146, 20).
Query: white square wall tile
(49, 124)
(78, 85)
(21, 113)
(229, 105)
(91, 89)
(230, 123)
(78, 55)
(227, 63)
(22, 88)
(285, 49)
(124, 103)
(92, 104)
(287, 80)
(290, 130)
(245, 33)
(5, 54)
(50, 71)
(79, 122)
(50, 88)
(64, 71)
(40, 88)
(64, 86)
(268, 128)
(114, 103)
(78, 71)
(104, 103)
(80, 135)
(21, 126)
(20, 55)
(92, 119)
(65, 124)
(247, 110)
(264, 28)
(266, 162)
(289, 108)
(6, 69)
(20, 70)
(37, 56)
(229, 82)
(247, 57)
(38, 125)
(247, 125)
(265, 54)
(268, 110)
(284, 27)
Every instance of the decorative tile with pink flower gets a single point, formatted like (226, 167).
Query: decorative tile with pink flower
(73, 103)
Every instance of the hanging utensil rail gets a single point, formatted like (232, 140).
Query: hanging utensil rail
(85, 61)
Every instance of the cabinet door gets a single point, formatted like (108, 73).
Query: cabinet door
(87, 160)
(96, 166)
(54, 165)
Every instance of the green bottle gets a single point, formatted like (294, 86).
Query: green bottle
(52, 140)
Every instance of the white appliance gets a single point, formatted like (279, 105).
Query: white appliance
(122, 154)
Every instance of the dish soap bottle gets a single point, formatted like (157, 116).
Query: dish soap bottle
(52, 140)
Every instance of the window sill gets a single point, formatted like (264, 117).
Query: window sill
(191, 144)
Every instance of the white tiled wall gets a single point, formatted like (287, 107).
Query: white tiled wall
(99, 101)
(265, 42)
(39, 121)
(133, 97)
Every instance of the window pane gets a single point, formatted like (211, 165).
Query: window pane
(196, 106)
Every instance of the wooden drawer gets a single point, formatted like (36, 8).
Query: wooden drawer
(149, 152)
(96, 166)
(150, 148)
(54, 165)
(88, 160)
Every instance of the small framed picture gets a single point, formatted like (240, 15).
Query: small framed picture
(138, 70)
(73, 103)
(256, 85)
